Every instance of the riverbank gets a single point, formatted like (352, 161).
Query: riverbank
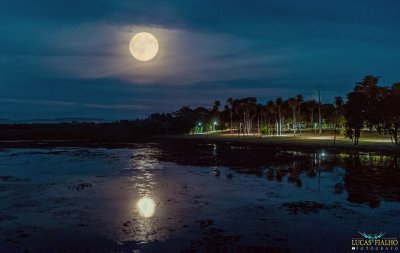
(306, 142)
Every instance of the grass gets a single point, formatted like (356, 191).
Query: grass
(306, 140)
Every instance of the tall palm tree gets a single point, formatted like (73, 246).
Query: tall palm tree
(237, 108)
(247, 109)
(311, 105)
(279, 104)
(229, 102)
(259, 112)
(272, 110)
(338, 112)
(293, 104)
(299, 99)
(244, 111)
(263, 114)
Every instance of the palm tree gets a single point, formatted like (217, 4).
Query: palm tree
(244, 111)
(299, 99)
(338, 112)
(259, 111)
(229, 102)
(311, 105)
(279, 104)
(237, 108)
(293, 104)
(272, 109)
(263, 114)
(246, 108)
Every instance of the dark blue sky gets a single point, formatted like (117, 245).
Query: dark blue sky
(65, 58)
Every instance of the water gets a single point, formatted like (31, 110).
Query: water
(203, 198)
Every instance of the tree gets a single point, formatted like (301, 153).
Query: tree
(293, 104)
(184, 119)
(259, 113)
(247, 110)
(377, 107)
(250, 111)
(338, 115)
(215, 111)
(279, 104)
(215, 107)
(311, 105)
(299, 99)
(272, 111)
(355, 114)
(390, 113)
(364, 106)
(229, 103)
(373, 94)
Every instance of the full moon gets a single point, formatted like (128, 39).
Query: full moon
(143, 46)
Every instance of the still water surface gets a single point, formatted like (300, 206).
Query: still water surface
(211, 198)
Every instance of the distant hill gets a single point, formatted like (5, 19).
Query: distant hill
(5, 121)
(55, 120)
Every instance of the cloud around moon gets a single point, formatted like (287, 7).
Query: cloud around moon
(184, 58)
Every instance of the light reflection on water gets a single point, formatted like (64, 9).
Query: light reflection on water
(144, 167)
(146, 207)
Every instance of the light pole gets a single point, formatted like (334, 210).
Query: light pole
(319, 111)
(215, 123)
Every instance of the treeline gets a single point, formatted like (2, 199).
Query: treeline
(375, 107)
(247, 116)
(123, 130)
(368, 106)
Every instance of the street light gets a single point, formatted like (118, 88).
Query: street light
(319, 111)
(215, 123)
(199, 127)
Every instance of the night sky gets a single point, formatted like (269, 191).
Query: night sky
(65, 58)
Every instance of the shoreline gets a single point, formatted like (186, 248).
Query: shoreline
(303, 143)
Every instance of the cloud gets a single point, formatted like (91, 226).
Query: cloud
(116, 106)
(184, 57)
(36, 102)
(78, 53)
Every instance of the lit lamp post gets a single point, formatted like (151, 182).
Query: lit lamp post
(319, 112)
(215, 123)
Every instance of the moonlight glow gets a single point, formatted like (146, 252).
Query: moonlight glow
(143, 46)
(146, 207)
